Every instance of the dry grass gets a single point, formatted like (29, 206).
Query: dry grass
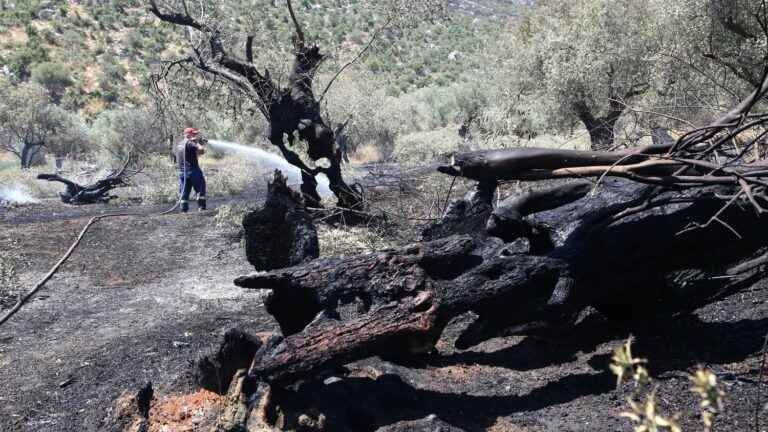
(350, 240)
(227, 176)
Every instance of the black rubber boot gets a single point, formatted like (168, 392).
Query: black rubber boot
(201, 204)
(184, 207)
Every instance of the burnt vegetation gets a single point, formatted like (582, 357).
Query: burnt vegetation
(558, 247)
(633, 238)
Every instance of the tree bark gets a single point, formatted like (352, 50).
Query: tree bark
(531, 163)
(281, 233)
(641, 265)
(98, 192)
(601, 129)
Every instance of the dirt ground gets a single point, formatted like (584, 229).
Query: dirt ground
(145, 296)
(136, 302)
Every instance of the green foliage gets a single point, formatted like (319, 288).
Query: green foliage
(128, 131)
(580, 52)
(54, 77)
(29, 121)
(21, 60)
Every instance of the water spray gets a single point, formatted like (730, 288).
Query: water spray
(270, 161)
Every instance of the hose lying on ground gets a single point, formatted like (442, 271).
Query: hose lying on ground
(72, 248)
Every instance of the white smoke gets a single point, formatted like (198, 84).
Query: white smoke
(270, 161)
(15, 194)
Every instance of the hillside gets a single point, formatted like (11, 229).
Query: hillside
(487, 8)
(109, 49)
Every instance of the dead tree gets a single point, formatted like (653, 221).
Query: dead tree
(292, 110)
(655, 231)
(94, 193)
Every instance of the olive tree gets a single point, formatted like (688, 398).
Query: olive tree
(231, 49)
(54, 77)
(582, 60)
(125, 132)
(30, 124)
(721, 40)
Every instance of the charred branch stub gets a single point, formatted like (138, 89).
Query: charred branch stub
(508, 220)
(281, 233)
(292, 111)
(465, 216)
(215, 373)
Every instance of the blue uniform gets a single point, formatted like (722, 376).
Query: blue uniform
(190, 174)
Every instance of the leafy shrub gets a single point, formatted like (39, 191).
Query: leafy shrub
(54, 77)
(20, 61)
(121, 132)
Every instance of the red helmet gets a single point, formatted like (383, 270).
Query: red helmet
(190, 132)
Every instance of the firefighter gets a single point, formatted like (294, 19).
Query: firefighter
(190, 174)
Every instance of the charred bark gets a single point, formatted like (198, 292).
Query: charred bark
(281, 233)
(98, 192)
(409, 294)
(215, 373)
(531, 163)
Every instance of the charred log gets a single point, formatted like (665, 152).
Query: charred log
(530, 163)
(98, 192)
(411, 293)
(465, 216)
(281, 233)
(508, 220)
(680, 228)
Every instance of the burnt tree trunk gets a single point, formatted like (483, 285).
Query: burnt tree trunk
(281, 233)
(293, 112)
(643, 264)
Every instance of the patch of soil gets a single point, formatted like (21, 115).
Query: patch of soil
(185, 412)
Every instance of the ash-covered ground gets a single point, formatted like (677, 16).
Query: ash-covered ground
(145, 296)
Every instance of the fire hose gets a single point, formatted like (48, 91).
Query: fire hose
(23, 300)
